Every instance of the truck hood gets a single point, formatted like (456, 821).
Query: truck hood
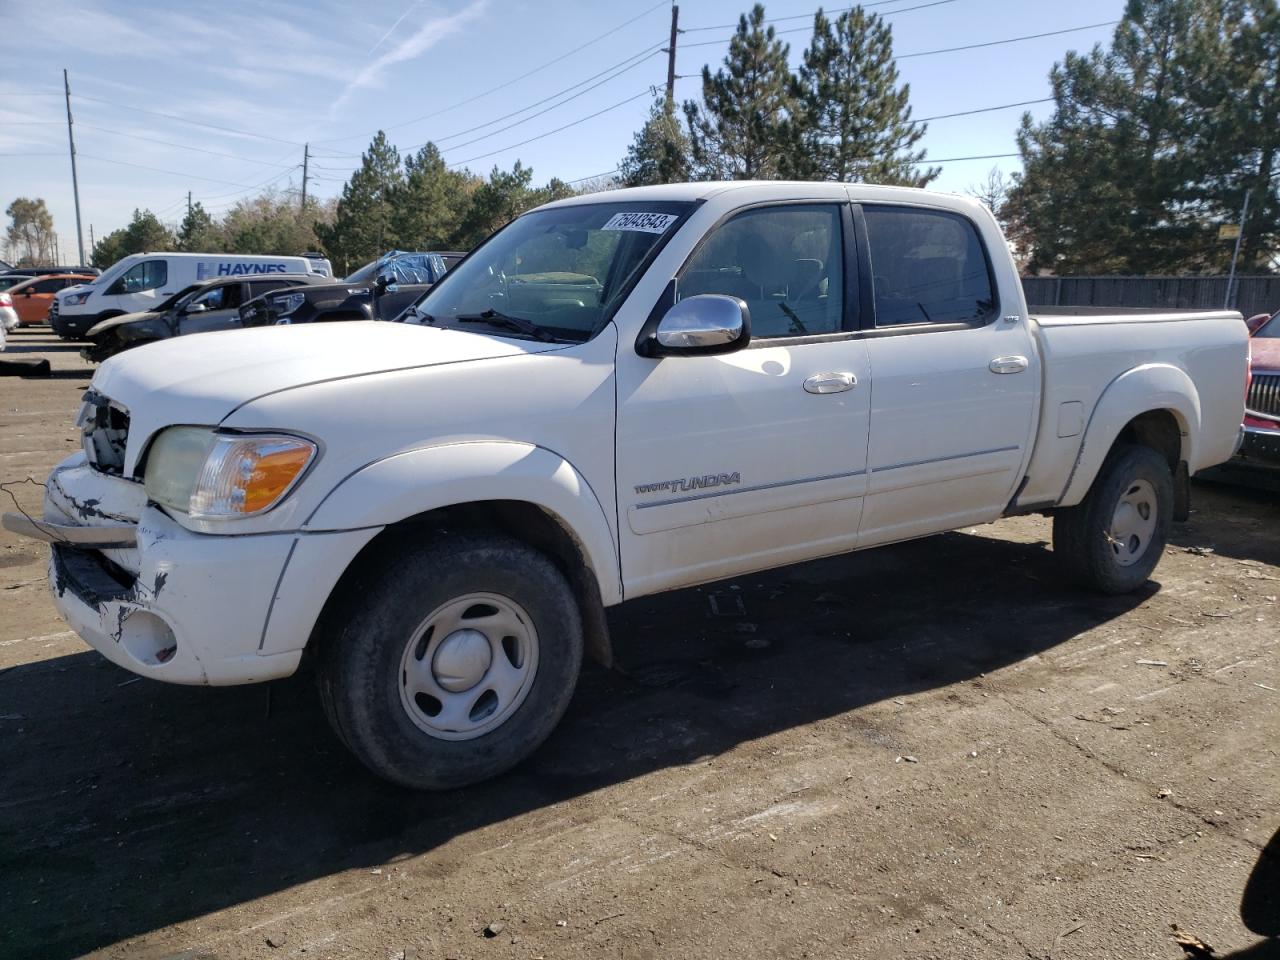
(203, 378)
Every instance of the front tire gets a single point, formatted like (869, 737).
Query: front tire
(450, 661)
(1112, 541)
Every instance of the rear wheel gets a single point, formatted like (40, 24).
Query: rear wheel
(451, 662)
(1114, 538)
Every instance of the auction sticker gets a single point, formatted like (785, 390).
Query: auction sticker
(644, 222)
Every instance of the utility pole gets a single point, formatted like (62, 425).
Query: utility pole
(188, 204)
(671, 55)
(1231, 277)
(92, 244)
(306, 156)
(75, 181)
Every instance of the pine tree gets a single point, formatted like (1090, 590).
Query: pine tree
(145, 233)
(497, 201)
(1110, 183)
(363, 228)
(198, 233)
(852, 120)
(736, 131)
(427, 208)
(660, 151)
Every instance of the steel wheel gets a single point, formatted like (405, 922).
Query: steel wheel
(1134, 523)
(468, 666)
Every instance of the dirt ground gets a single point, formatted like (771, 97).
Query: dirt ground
(930, 750)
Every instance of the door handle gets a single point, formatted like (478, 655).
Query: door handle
(1008, 364)
(830, 383)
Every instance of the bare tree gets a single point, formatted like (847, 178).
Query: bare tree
(30, 238)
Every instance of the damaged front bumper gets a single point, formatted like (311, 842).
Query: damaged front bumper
(163, 602)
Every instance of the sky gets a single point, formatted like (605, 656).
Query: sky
(218, 99)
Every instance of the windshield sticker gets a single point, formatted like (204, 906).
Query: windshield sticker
(644, 222)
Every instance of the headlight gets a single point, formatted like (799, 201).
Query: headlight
(287, 304)
(75, 299)
(207, 474)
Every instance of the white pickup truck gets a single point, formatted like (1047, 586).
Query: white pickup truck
(613, 396)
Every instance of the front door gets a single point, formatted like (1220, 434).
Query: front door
(957, 378)
(748, 460)
(221, 311)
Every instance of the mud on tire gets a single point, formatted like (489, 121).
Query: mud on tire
(1112, 541)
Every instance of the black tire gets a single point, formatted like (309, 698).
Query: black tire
(1082, 535)
(365, 639)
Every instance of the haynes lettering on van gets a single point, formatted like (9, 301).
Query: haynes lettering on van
(206, 271)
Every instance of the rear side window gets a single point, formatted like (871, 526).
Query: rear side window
(148, 275)
(258, 287)
(928, 266)
(48, 286)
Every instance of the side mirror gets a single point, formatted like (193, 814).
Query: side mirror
(385, 284)
(29, 292)
(707, 323)
(195, 308)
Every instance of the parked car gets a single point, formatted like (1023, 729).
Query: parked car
(33, 296)
(452, 258)
(1262, 407)
(142, 281)
(8, 315)
(203, 307)
(615, 395)
(380, 290)
(44, 271)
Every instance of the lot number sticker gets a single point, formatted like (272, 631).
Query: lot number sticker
(644, 222)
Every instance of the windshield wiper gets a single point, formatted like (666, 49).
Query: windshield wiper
(496, 319)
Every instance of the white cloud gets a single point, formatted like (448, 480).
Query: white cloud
(425, 35)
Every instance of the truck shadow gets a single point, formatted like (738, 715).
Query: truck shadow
(129, 805)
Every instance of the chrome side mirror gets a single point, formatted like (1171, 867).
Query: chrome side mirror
(707, 323)
(195, 308)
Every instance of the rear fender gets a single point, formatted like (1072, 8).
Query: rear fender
(1154, 386)
(418, 481)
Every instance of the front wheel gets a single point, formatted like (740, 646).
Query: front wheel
(1114, 538)
(450, 662)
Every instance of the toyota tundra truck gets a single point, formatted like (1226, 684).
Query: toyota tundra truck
(615, 395)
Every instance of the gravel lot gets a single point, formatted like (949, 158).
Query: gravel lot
(930, 750)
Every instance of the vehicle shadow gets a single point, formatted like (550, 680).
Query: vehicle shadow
(154, 804)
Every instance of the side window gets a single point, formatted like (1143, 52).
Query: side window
(48, 286)
(148, 275)
(786, 262)
(928, 266)
(214, 299)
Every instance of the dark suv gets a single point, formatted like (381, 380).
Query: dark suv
(380, 290)
(202, 307)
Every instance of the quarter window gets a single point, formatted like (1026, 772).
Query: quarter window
(928, 266)
(785, 262)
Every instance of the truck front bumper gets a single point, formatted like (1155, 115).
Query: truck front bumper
(174, 605)
(1261, 445)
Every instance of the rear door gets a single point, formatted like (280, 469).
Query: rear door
(956, 374)
(32, 303)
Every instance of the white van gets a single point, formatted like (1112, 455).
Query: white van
(142, 281)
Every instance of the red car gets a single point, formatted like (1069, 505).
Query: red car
(1262, 403)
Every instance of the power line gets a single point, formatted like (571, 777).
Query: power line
(798, 16)
(647, 91)
(969, 113)
(996, 43)
(531, 116)
(513, 80)
(985, 156)
(922, 6)
(140, 166)
(196, 123)
(180, 146)
(594, 176)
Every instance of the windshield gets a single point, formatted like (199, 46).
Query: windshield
(7, 282)
(564, 269)
(182, 294)
(1271, 329)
